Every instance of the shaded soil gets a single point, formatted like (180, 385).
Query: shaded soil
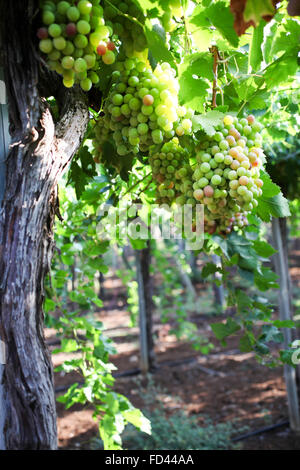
(226, 385)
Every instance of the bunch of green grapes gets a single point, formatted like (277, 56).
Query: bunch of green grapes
(226, 177)
(172, 174)
(126, 19)
(74, 37)
(142, 109)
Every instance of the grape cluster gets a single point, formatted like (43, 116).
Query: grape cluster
(74, 37)
(142, 109)
(226, 177)
(172, 174)
(129, 31)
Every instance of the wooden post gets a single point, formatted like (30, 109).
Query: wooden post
(143, 259)
(4, 146)
(285, 314)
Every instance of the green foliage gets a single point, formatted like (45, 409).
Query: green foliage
(112, 410)
(176, 430)
(181, 432)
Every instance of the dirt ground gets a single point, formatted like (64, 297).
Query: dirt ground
(226, 385)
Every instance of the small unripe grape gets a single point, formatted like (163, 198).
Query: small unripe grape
(245, 164)
(73, 13)
(203, 182)
(228, 120)
(147, 110)
(101, 48)
(259, 183)
(208, 191)
(251, 119)
(71, 29)
(86, 84)
(244, 180)
(219, 157)
(48, 17)
(134, 104)
(205, 167)
(62, 7)
(59, 43)
(78, 53)
(68, 83)
(242, 142)
(148, 101)
(198, 194)
(85, 7)
(94, 77)
(228, 160)
(224, 145)
(235, 165)
(90, 60)
(233, 184)
(216, 180)
(111, 46)
(67, 62)
(54, 30)
(187, 124)
(46, 45)
(247, 130)
(42, 33)
(83, 27)
(232, 175)
(231, 140)
(69, 49)
(157, 136)
(109, 58)
(179, 131)
(142, 128)
(80, 41)
(80, 65)
(133, 81)
(215, 149)
(95, 38)
(241, 171)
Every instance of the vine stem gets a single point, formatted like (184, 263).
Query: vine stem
(215, 53)
(136, 184)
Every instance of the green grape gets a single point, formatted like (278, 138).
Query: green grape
(59, 43)
(73, 13)
(54, 30)
(46, 46)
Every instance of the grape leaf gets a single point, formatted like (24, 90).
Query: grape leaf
(192, 91)
(208, 122)
(256, 57)
(269, 188)
(222, 330)
(277, 206)
(200, 64)
(208, 269)
(280, 70)
(263, 248)
(158, 47)
(221, 18)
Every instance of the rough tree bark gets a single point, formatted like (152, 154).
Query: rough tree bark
(40, 152)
